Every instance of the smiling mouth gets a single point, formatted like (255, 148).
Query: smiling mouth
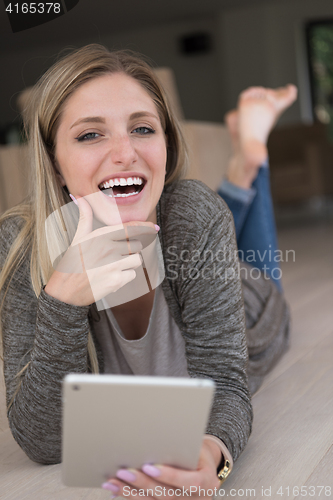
(123, 188)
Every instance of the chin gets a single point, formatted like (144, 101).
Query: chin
(132, 215)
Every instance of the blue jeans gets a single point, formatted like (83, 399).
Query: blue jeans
(253, 214)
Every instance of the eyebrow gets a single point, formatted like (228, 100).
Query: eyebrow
(100, 119)
(89, 119)
(141, 114)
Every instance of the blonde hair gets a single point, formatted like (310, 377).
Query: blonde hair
(41, 118)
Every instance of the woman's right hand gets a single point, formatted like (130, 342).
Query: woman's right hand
(97, 262)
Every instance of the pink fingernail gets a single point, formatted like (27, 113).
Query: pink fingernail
(126, 475)
(150, 470)
(157, 227)
(111, 487)
(73, 198)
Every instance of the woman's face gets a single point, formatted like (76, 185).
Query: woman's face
(110, 135)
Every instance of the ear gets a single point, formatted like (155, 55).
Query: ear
(59, 174)
(61, 179)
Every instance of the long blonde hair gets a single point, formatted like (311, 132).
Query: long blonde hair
(41, 118)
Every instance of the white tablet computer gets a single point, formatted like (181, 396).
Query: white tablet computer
(114, 421)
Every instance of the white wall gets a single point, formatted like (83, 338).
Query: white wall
(254, 45)
(197, 75)
(258, 46)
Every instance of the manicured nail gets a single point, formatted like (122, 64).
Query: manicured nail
(111, 487)
(73, 198)
(157, 227)
(150, 470)
(126, 475)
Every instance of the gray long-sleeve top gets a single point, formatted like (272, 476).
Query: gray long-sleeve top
(203, 292)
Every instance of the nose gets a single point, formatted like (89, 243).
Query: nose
(122, 150)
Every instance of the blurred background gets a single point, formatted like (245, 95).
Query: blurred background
(214, 49)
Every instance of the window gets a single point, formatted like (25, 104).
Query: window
(319, 36)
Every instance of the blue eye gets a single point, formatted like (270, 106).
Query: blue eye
(88, 137)
(144, 130)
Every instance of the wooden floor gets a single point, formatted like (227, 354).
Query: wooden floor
(292, 440)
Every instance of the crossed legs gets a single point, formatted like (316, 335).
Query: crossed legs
(246, 189)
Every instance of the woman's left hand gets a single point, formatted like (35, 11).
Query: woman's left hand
(163, 481)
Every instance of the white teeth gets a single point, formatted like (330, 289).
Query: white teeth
(122, 182)
(137, 180)
(123, 195)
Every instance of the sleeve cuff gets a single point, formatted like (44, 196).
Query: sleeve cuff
(59, 311)
(224, 450)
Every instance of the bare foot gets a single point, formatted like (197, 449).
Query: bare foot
(231, 120)
(257, 113)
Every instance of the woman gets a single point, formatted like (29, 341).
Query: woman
(97, 116)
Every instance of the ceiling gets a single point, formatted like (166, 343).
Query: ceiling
(99, 17)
